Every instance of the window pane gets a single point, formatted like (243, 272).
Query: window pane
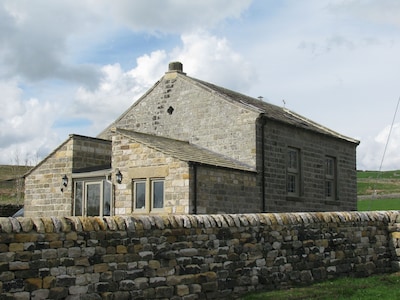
(107, 194)
(291, 184)
(78, 198)
(158, 194)
(93, 199)
(329, 169)
(292, 159)
(140, 195)
(328, 189)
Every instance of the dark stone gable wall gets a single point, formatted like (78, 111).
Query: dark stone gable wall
(90, 152)
(226, 191)
(190, 256)
(313, 149)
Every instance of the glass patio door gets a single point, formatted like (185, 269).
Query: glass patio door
(93, 198)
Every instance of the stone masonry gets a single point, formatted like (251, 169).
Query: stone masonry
(190, 256)
(43, 192)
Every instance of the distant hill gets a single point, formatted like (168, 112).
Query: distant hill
(8, 172)
(380, 184)
(11, 190)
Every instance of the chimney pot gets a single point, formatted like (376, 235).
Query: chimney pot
(175, 66)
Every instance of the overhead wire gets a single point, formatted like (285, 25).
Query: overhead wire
(384, 152)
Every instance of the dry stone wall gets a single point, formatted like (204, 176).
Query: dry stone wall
(189, 256)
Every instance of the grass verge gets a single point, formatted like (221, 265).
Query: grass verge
(378, 204)
(382, 287)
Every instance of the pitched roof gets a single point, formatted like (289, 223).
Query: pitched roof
(270, 111)
(184, 150)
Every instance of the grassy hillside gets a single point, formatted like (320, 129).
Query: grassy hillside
(383, 183)
(378, 190)
(11, 191)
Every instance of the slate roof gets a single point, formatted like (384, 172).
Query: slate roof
(183, 150)
(271, 111)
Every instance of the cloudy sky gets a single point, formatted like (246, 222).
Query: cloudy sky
(73, 66)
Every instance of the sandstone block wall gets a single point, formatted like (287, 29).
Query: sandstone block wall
(189, 256)
(179, 109)
(136, 161)
(43, 194)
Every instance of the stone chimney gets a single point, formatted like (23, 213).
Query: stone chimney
(175, 66)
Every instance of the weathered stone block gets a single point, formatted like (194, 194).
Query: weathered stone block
(164, 291)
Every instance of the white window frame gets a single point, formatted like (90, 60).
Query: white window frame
(86, 182)
(149, 195)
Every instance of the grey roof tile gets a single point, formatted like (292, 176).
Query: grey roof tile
(184, 150)
(271, 111)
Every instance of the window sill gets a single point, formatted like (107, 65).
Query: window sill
(294, 198)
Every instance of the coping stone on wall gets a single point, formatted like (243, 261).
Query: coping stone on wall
(145, 222)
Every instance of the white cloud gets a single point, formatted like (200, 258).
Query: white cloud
(381, 151)
(333, 61)
(211, 58)
(379, 11)
(174, 16)
(34, 39)
(117, 90)
(25, 125)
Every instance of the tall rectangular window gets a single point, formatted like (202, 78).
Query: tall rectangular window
(157, 193)
(78, 207)
(148, 194)
(293, 172)
(330, 177)
(139, 188)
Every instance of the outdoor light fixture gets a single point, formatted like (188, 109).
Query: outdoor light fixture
(64, 182)
(118, 176)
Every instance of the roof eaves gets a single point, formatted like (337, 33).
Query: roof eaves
(321, 127)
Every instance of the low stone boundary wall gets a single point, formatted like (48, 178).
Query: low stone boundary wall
(190, 256)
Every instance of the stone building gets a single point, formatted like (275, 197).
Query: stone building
(191, 147)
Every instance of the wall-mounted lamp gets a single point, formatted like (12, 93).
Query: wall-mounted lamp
(64, 182)
(118, 176)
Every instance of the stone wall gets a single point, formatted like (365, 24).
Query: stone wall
(136, 161)
(313, 150)
(176, 107)
(44, 193)
(44, 183)
(190, 256)
(226, 191)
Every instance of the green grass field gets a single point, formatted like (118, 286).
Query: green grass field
(383, 189)
(378, 204)
(382, 287)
